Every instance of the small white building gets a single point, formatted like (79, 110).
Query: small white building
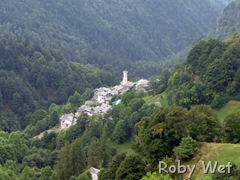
(89, 103)
(102, 95)
(84, 110)
(117, 89)
(67, 120)
(94, 172)
(104, 108)
(142, 85)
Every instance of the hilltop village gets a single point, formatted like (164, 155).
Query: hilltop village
(99, 104)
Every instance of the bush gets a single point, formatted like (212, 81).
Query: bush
(186, 148)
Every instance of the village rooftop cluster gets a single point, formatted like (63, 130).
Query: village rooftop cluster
(99, 104)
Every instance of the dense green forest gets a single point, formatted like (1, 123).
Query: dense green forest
(32, 77)
(210, 75)
(137, 35)
(54, 54)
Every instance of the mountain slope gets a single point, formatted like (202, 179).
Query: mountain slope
(229, 21)
(210, 75)
(32, 77)
(116, 32)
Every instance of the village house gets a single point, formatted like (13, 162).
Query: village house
(89, 103)
(84, 109)
(67, 120)
(119, 89)
(102, 95)
(142, 85)
(90, 111)
(94, 173)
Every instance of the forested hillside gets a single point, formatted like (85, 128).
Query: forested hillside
(229, 21)
(32, 77)
(210, 75)
(194, 89)
(54, 53)
(122, 33)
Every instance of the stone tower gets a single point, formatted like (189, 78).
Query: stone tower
(125, 78)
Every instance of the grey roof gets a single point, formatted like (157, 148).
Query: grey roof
(118, 87)
(67, 117)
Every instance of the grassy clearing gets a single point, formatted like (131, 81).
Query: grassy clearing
(122, 148)
(227, 153)
(162, 98)
(56, 129)
(231, 106)
(220, 152)
(147, 98)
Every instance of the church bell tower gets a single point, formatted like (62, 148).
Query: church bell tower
(125, 78)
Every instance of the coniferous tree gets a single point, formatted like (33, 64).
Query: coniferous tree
(119, 133)
(132, 167)
(105, 149)
(94, 154)
(54, 119)
(63, 166)
(110, 173)
(77, 157)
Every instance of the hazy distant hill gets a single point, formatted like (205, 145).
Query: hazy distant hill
(118, 32)
(229, 21)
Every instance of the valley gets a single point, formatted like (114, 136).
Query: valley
(107, 89)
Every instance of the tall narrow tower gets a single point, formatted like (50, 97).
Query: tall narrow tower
(125, 78)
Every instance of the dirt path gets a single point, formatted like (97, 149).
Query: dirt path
(234, 102)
